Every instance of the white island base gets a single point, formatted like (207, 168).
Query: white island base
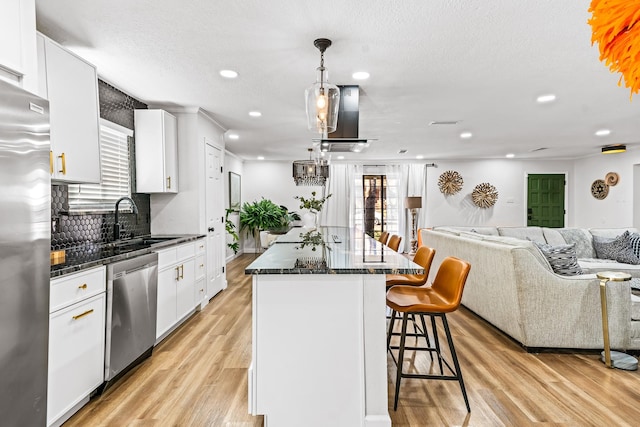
(319, 350)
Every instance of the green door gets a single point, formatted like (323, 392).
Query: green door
(545, 200)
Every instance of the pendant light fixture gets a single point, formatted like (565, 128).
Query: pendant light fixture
(310, 172)
(322, 97)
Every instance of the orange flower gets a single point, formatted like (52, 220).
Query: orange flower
(616, 28)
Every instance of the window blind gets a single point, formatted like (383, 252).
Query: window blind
(115, 173)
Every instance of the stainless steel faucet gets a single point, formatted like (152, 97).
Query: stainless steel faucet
(116, 226)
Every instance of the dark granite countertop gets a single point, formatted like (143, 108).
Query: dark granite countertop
(94, 254)
(345, 251)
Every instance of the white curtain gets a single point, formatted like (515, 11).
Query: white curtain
(413, 183)
(336, 209)
(346, 205)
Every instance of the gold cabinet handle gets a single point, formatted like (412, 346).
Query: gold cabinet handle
(182, 271)
(168, 182)
(83, 286)
(201, 265)
(177, 273)
(51, 162)
(64, 164)
(83, 314)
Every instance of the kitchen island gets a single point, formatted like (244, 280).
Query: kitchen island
(319, 331)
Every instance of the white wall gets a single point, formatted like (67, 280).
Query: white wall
(273, 180)
(617, 209)
(508, 176)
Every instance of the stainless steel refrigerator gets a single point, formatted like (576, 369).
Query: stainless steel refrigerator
(25, 242)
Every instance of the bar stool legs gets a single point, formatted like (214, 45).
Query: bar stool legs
(456, 374)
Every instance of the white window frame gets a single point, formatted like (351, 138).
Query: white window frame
(115, 173)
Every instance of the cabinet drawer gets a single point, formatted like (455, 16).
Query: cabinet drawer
(200, 266)
(169, 256)
(76, 354)
(201, 247)
(75, 287)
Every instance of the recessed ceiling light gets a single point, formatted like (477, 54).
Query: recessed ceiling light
(340, 157)
(233, 136)
(255, 113)
(510, 156)
(603, 132)
(466, 135)
(229, 74)
(360, 75)
(542, 99)
(419, 156)
(260, 157)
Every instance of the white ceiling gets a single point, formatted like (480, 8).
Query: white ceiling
(480, 62)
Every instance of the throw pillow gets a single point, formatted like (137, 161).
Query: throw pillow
(618, 249)
(634, 239)
(562, 258)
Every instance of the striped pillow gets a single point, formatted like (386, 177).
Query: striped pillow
(634, 240)
(562, 258)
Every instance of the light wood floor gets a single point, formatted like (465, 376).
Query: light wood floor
(198, 377)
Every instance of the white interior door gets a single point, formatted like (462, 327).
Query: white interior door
(216, 279)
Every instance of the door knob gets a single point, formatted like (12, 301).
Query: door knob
(211, 229)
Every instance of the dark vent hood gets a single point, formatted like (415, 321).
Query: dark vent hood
(345, 139)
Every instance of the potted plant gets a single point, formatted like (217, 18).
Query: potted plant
(313, 205)
(264, 215)
(230, 228)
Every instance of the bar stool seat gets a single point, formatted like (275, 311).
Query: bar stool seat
(384, 236)
(394, 242)
(442, 297)
(424, 258)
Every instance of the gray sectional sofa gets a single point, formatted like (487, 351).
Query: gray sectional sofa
(512, 285)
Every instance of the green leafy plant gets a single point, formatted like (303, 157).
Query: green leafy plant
(230, 228)
(312, 204)
(312, 238)
(264, 215)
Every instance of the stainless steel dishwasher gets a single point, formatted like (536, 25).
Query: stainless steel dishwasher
(132, 287)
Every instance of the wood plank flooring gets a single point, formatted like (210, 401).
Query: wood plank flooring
(198, 377)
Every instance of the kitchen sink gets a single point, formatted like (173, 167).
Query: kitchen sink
(137, 243)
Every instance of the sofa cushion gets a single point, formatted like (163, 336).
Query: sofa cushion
(553, 236)
(634, 240)
(618, 249)
(583, 240)
(562, 259)
(595, 265)
(525, 233)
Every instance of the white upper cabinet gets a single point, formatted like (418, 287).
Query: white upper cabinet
(156, 136)
(18, 59)
(71, 86)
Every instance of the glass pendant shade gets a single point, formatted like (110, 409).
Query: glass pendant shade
(323, 100)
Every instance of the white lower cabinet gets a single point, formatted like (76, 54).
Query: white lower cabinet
(177, 293)
(76, 342)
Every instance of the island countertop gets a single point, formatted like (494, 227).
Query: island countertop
(342, 251)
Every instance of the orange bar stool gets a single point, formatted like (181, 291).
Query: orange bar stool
(394, 242)
(384, 236)
(424, 258)
(442, 297)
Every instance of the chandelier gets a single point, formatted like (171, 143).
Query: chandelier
(323, 98)
(310, 172)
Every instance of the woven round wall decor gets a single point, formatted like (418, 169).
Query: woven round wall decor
(599, 189)
(450, 182)
(484, 195)
(612, 179)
